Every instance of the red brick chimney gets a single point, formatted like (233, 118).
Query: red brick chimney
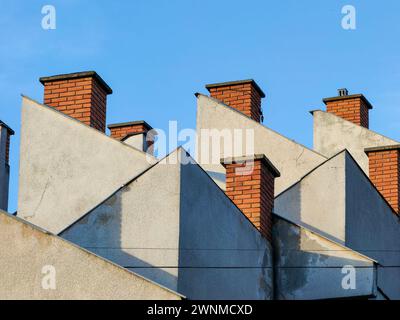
(243, 95)
(384, 172)
(122, 131)
(81, 95)
(250, 185)
(354, 108)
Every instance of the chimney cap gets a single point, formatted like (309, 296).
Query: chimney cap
(343, 92)
(382, 148)
(77, 75)
(11, 131)
(236, 82)
(242, 159)
(351, 96)
(130, 123)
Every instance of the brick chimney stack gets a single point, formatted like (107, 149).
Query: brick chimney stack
(139, 134)
(243, 95)
(384, 172)
(81, 95)
(250, 185)
(354, 108)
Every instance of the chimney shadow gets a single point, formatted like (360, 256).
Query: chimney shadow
(100, 231)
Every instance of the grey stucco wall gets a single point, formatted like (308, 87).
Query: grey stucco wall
(338, 201)
(138, 227)
(175, 216)
(79, 274)
(67, 168)
(139, 142)
(4, 169)
(222, 255)
(317, 201)
(308, 266)
(333, 134)
(372, 228)
(292, 159)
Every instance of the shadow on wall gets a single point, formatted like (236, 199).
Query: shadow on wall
(308, 266)
(221, 177)
(100, 231)
(317, 201)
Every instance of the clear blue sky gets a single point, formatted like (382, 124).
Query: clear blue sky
(156, 54)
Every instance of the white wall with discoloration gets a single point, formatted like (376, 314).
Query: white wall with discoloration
(372, 228)
(175, 226)
(68, 168)
(292, 159)
(309, 266)
(338, 201)
(79, 274)
(333, 134)
(317, 201)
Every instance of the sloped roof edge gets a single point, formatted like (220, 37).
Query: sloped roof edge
(83, 124)
(325, 238)
(356, 163)
(340, 118)
(87, 251)
(197, 95)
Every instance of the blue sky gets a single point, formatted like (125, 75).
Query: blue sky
(156, 54)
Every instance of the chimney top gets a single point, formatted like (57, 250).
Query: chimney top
(382, 148)
(343, 92)
(345, 97)
(243, 159)
(237, 82)
(10, 131)
(250, 184)
(130, 123)
(77, 75)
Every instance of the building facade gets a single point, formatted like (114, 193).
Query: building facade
(270, 219)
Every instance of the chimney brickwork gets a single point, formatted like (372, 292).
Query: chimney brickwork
(121, 131)
(244, 96)
(384, 172)
(250, 185)
(81, 95)
(354, 108)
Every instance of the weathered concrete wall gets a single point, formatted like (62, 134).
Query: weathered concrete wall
(372, 228)
(317, 201)
(137, 141)
(222, 255)
(67, 168)
(4, 170)
(309, 266)
(175, 216)
(333, 134)
(25, 250)
(338, 201)
(138, 227)
(292, 159)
